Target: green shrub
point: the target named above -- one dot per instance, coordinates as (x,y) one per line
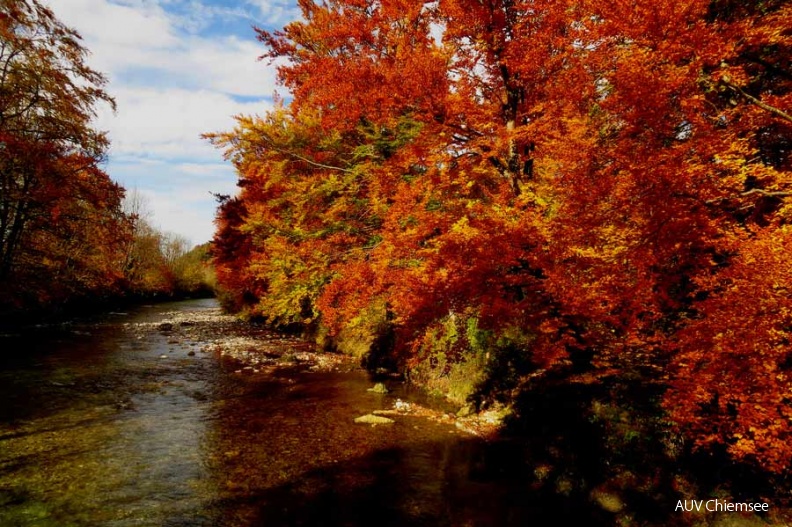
(452,358)
(361,337)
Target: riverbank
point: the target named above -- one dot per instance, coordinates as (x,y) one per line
(81,309)
(603,440)
(588,441)
(256,350)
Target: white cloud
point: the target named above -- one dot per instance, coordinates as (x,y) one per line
(276,12)
(167,123)
(123,40)
(180,195)
(229,65)
(174,214)
(145,26)
(174,80)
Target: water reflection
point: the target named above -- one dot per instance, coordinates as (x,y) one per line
(105,425)
(97,429)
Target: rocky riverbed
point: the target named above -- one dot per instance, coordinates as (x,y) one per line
(257,350)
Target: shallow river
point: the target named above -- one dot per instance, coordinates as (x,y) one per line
(104,424)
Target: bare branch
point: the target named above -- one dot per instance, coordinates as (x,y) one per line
(289,153)
(312,163)
(766,193)
(760,104)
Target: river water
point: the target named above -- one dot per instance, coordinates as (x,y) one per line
(103,423)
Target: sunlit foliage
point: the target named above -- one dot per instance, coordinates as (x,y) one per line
(598,187)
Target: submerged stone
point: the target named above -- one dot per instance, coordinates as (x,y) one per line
(609,501)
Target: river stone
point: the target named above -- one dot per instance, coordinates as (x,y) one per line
(165,326)
(466,411)
(374,420)
(609,501)
(288,358)
(379,388)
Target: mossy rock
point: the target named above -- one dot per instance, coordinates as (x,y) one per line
(466,411)
(379,388)
(372,419)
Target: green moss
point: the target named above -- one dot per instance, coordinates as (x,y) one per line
(452,358)
(322,337)
(361,335)
(464,362)
(379,388)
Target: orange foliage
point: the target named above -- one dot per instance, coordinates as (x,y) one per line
(610,178)
(62,229)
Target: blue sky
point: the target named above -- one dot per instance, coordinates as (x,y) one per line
(177,68)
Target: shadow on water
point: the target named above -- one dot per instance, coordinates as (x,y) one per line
(469,484)
(291,455)
(607,443)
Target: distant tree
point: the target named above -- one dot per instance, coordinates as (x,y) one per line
(162,263)
(194,272)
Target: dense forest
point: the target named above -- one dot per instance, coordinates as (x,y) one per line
(500,199)
(68,233)
(499,196)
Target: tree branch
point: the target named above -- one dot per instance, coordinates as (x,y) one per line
(289,153)
(760,104)
(766,193)
(312,163)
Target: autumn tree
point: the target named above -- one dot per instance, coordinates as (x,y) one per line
(590,187)
(158,263)
(60,215)
(730,385)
